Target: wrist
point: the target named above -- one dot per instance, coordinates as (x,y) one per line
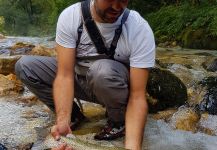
(63,118)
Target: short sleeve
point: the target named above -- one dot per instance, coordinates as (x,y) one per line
(142,46)
(66,31)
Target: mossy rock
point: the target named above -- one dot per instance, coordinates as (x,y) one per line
(209,102)
(167,89)
(198,39)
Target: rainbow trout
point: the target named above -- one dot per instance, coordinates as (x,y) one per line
(77,144)
(73,142)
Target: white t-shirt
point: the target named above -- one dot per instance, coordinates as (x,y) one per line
(136,44)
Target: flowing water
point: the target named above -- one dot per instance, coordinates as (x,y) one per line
(10,41)
(19,116)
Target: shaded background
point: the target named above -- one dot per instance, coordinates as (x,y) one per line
(188,23)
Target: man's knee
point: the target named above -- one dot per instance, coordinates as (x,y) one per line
(22,64)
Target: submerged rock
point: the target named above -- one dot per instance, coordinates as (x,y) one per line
(185,119)
(167,89)
(7,64)
(209,101)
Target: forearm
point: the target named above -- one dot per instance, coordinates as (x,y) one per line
(63,97)
(136,115)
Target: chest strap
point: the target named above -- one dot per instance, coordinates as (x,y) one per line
(94,32)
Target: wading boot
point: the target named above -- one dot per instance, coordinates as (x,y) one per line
(111,131)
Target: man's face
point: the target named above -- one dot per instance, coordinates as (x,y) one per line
(109,10)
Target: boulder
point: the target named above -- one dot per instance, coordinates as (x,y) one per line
(7,64)
(166,89)
(198,39)
(9,85)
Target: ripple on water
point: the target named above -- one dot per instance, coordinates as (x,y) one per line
(160,136)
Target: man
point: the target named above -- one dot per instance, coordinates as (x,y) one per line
(117,84)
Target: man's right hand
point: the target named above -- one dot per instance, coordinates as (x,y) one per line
(60,129)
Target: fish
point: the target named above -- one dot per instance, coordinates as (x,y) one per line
(71,140)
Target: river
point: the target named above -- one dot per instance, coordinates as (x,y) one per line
(18,119)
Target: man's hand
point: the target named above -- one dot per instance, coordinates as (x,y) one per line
(61,129)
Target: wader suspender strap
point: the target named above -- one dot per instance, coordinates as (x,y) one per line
(94,32)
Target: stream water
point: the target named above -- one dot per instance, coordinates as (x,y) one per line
(19,118)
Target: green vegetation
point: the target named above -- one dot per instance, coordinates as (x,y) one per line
(173,22)
(31,17)
(2,22)
(192,23)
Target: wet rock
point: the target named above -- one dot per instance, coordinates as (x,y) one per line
(9,86)
(7,64)
(21,48)
(210,65)
(21,45)
(164,115)
(185,119)
(209,101)
(42,51)
(167,89)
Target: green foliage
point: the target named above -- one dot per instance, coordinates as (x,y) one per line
(145,6)
(168,18)
(2,22)
(32,17)
(172,20)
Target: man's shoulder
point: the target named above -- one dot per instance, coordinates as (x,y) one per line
(72,9)
(135,18)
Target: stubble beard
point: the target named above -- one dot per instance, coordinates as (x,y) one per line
(103,14)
